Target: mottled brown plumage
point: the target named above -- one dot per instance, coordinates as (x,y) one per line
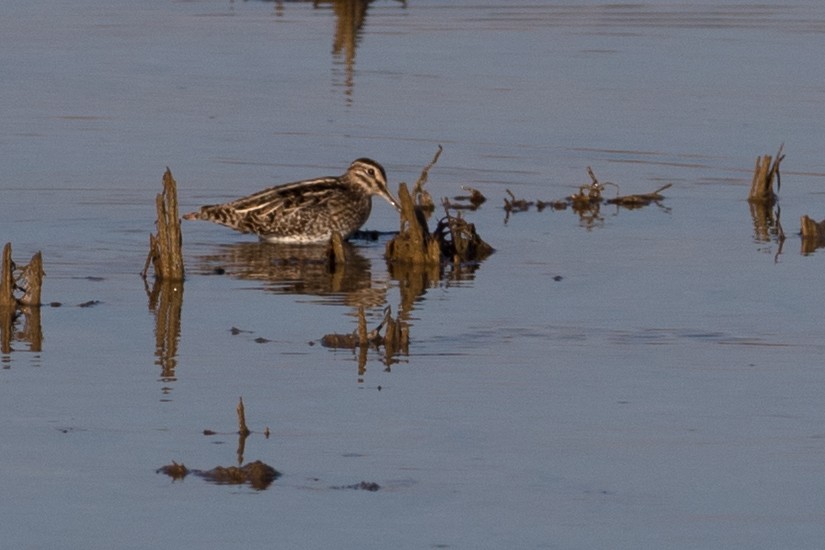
(305,211)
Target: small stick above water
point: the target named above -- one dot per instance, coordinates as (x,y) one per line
(243,430)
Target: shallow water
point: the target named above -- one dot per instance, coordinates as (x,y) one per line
(644,378)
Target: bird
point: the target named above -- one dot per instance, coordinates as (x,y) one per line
(307,211)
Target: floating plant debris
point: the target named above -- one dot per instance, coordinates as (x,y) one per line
(586,202)
(465,202)
(637,201)
(514,205)
(257,474)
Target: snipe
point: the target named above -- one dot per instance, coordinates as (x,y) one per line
(307,211)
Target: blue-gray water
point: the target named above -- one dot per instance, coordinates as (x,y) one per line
(652,378)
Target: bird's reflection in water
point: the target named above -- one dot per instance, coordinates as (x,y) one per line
(299,270)
(303,270)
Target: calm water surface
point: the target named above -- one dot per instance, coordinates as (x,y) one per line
(645,378)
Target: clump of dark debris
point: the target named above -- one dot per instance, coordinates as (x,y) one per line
(257,474)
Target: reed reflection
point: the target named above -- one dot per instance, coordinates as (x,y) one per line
(31,332)
(350,17)
(767,226)
(166,303)
(415,279)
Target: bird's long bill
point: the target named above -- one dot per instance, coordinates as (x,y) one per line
(389,198)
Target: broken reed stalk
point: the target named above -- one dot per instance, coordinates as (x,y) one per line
(242,429)
(764,173)
(7,298)
(31,277)
(413,244)
(165,247)
(812,229)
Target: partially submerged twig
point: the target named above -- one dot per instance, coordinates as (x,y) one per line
(165,248)
(242,429)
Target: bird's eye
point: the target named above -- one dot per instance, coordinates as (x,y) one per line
(371,171)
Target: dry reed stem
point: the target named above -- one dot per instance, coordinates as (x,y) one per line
(764,173)
(165,248)
(7,298)
(413,244)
